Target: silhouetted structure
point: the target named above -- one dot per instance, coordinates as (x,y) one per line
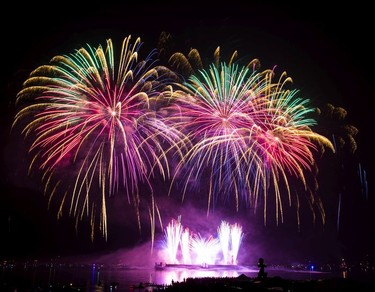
(261,274)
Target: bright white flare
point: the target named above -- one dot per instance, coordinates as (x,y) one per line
(182,246)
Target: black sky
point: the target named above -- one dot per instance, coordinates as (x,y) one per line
(326,50)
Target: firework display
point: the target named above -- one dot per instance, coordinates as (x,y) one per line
(91,117)
(249,134)
(182,246)
(111,124)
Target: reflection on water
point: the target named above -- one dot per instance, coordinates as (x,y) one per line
(121,278)
(179,275)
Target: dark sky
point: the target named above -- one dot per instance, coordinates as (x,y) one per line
(326,50)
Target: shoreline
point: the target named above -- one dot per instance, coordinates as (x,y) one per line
(245,283)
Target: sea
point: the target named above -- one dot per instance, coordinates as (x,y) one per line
(97,277)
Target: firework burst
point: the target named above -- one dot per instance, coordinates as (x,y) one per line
(249,134)
(92,117)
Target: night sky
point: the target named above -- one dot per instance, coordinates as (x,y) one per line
(326,50)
